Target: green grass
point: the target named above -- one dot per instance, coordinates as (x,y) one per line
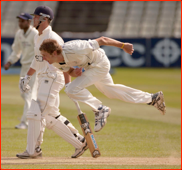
(133,130)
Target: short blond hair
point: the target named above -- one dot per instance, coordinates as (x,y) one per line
(50,45)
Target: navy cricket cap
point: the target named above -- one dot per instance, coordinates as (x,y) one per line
(25,16)
(44,11)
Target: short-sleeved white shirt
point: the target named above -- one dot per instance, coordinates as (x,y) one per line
(44,66)
(80,53)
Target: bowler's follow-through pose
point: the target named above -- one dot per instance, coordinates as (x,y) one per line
(45,110)
(89,55)
(23,46)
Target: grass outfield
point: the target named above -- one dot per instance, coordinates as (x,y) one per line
(133,130)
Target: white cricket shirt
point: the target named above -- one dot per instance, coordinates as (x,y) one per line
(44,66)
(80,53)
(23,45)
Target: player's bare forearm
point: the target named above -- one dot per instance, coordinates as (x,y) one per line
(30,72)
(109,42)
(127,47)
(67,77)
(75,72)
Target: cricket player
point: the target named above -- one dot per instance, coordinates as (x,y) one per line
(23,45)
(89,55)
(44,112)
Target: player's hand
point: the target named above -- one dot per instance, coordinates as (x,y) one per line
(78,72)
(128,48)
(23,84)
(7,65)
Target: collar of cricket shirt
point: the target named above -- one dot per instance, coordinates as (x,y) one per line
(48,29)
(64,56)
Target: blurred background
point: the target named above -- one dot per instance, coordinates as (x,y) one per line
(154,27)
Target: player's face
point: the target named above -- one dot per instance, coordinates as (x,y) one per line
(47,57)
(23,24)
(36,20)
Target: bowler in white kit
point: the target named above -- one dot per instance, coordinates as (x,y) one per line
(89,55)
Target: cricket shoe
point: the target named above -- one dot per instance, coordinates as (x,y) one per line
(158,102)
(80,151)
(26,155)
(101,117)
(22,125)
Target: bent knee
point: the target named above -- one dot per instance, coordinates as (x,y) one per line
(72,89)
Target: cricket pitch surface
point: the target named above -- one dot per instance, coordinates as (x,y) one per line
(92,161)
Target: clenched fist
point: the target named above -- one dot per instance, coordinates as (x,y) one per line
(128,48)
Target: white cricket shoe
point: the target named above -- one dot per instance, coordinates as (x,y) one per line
(80,151)
(26,155)
(158,102)
(101,117)
(22,125)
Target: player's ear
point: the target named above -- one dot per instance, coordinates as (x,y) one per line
(54,52)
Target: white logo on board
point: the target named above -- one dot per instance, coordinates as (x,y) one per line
(166,51)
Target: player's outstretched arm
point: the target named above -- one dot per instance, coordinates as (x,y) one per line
(127,47)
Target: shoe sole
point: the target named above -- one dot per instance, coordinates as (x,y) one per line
(79,154)
(161,95)
(30,157)
(86,147)
(19,128)
(105,121)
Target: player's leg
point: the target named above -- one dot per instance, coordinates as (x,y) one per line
(61,128)
(73,130)
(128,94)
(36,119)
(76,91)
(122,92)
(77,88)
(50,109)
(35,131)
(48,95)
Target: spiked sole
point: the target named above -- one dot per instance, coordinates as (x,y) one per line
(30,157)
(163,103)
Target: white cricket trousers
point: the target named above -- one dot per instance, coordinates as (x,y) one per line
(32,94)
(99,76)
(49,86)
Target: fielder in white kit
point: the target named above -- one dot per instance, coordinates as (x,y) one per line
(23,46)
(89,55)
(44,112)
